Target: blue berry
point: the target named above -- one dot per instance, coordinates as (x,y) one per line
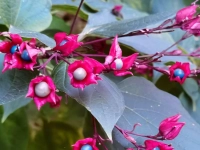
(25,56)
(14,49)
(156,148)
(63,42)
(179,73)
(86,147)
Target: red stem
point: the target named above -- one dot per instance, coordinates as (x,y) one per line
(72,26)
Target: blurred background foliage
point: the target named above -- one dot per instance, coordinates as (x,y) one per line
(58,129)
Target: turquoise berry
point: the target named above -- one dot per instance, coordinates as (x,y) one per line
(156,148)
(179,73)
(86,147)
(63,42)
(13,49)
(25,56)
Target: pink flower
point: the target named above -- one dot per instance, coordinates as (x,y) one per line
(117,63)
(192,26)
(6,46)
(84,72)
(186,13)
(179,72)
(66,44)
(43,90)
(170,127)
(19,54)
(87,143)
(154,145)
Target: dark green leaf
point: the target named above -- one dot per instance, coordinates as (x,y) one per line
(103,100)
(26,14)
(148,105)
(9,108)
(14,83)
(54,136)
(189,106)
(14,132)
(70,9)
(192,89)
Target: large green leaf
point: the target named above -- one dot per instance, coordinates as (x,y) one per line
(14,83)
(123,26)
(54,136)
(14,132)
(147,105)
(103,100)
(26,14)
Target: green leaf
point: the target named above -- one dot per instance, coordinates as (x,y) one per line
(127,12)
(163,5)
(31,34)
(26,14)
(123,26)
(189,106)
(58,24)
(147,105)
(14,83)
(103,100)
(193,92)
(142,5)
(14,132)
(70,9)
(9,108)
(74,117)
(54,136)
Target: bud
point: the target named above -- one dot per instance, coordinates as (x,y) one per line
(186,13)
(117,11)
(154,145)
(129,138)
(170,127)
(176,52)
(192,26)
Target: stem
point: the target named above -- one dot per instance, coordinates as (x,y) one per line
(71,29)
(96,41)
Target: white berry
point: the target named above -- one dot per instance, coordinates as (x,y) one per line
(42,89)
(119,64)
(79,74)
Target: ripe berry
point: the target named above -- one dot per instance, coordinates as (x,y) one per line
(79,74)
(119,64)
(179,73)
(14,49)
(63,42)
(42,89)
(86,147)
(25,56)
(156,148)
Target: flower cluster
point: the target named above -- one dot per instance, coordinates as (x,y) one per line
(18,53)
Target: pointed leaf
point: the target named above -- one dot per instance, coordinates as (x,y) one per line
(148,105)
(125,26)
(103,100)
